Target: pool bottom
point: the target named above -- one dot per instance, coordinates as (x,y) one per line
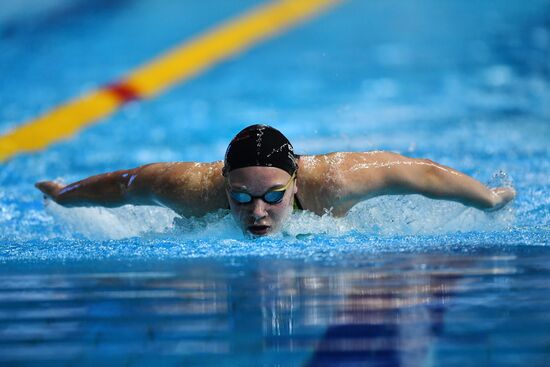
(486,307)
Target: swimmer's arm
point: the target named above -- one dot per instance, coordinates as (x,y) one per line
(187,188)
(391,173)
(112,189)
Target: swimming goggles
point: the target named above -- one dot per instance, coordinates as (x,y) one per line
(274,196)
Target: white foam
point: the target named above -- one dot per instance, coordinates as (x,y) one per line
(103,223)
(402,215)
(389,215)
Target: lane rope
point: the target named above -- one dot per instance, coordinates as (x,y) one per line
(176,66)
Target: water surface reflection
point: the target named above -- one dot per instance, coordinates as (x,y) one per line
(387,310)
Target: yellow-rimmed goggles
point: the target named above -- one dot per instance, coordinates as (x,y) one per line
(271,197)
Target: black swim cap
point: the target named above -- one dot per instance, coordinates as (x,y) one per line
(260,145)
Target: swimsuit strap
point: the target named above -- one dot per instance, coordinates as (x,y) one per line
(297,204)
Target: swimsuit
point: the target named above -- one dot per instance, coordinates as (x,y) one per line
(297,204)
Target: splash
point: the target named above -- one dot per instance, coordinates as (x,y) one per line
(383,216)
(402,215)
(103,223)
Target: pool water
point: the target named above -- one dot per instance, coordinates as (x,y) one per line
(400,281)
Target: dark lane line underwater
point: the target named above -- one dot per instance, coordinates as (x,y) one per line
(399,281)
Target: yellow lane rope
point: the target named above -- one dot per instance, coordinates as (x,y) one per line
(176,66)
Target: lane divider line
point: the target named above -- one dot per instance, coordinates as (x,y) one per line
(173,67)
(124,92)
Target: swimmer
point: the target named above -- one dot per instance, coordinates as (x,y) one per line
(261,180)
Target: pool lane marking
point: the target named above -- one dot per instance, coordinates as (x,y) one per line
(124,92)
(175,66)
(216,45)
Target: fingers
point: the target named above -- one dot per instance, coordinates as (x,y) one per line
(49,188)
(504,195)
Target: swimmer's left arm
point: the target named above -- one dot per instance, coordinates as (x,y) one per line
(384,173)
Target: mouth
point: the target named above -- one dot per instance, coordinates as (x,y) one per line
(258,230)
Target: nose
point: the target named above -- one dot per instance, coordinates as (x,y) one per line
(258,209)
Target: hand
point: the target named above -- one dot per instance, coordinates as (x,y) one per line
(49,188)
(502,195)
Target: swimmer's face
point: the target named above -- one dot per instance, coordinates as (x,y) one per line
(259,217)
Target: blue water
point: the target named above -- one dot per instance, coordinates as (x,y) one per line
(400,281)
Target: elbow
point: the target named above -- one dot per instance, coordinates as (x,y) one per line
(432,175)
(422,176)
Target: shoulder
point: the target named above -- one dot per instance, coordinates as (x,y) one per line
(339,163)
(182,172)
(175,168)
(190,188)
(336,180)
(320,181)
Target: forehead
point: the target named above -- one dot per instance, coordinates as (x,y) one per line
(258,178)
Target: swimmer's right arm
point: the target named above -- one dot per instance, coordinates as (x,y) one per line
(186,187)
(112,189)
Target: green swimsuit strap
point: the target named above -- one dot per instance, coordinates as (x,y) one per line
(297,204)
